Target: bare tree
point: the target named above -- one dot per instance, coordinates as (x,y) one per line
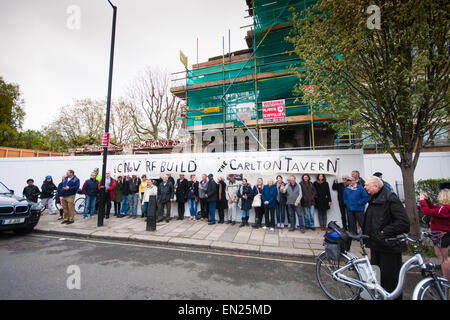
(121,122)
(83,122)
(82,118)
(155,111)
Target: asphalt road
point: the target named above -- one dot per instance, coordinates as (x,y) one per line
(38,267)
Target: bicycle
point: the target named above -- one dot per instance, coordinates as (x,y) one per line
(356,278)
(79,204)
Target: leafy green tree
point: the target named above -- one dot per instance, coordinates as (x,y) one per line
(391,82)
(11,113)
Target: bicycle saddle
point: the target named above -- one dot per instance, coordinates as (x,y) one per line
(358,237)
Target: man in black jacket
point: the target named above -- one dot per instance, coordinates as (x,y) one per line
(182,189)
(385,218)
(164,198)
(31,192)
(340,187)
(212,197)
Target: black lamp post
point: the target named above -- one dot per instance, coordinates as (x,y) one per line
(101,207)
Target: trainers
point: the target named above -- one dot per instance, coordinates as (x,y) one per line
(278,225)
(282,226)
(264,228)
(272,229)
(85,218)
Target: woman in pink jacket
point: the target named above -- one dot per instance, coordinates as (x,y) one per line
(440,223)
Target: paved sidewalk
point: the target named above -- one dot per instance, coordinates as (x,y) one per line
(224,237)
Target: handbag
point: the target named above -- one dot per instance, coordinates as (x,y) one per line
(256,202)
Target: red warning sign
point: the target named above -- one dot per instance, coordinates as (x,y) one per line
(274,111)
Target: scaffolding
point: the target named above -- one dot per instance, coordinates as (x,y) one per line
(231,93)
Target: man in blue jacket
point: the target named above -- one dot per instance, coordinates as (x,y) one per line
(70,186)
(355,199)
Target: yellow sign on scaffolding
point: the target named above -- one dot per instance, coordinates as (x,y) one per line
(183,59)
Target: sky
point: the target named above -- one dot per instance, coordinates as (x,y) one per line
(58,50)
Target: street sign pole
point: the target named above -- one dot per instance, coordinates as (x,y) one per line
(101,206)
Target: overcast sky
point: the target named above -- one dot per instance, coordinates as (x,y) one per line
(54,62)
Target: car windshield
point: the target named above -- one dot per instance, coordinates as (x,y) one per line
(4,189)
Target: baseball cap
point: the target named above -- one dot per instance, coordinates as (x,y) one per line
(48,177)
(378,174)
(351,178)
(210,175)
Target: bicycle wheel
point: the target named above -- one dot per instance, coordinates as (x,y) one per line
(79,205)
(334,289)
(429,291)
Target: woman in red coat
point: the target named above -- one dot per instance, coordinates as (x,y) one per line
(440,222)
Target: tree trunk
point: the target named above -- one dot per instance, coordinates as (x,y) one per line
(410,199)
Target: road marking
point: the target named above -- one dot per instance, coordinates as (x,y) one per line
(175,249)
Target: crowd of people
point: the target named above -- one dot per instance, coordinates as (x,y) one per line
(369,207)
(276,203)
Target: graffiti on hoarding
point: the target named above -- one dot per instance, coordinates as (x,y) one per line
(269,165)
(282,164)
(154,166)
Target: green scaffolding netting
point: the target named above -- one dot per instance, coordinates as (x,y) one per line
(241,96)
(273,55)
(269,12)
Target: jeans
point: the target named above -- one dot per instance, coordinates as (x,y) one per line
(245,214)
(125,205)
(145,209)
(281,208)
(212,211)
(294,211)
(192,207)
(352,217)
(89,205)
(309,216)
(133,200)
